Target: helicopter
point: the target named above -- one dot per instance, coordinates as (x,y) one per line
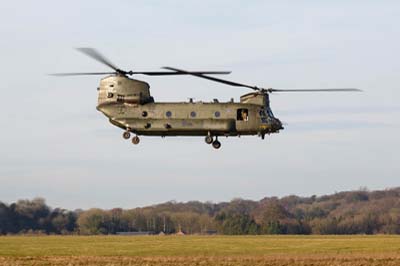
(128,104)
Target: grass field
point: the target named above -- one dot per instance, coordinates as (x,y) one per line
(200,250)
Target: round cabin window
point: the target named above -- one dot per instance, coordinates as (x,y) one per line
(168,114)
(144,113)
(193,114)
(217,114)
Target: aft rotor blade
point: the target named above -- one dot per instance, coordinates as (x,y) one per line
(313,90)
(167,73)
(212,78)
(82,74)
(93,53)
(150,73)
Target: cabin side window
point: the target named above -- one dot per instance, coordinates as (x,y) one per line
(243,114)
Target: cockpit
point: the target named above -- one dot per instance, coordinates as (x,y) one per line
(266,114)
(260,99)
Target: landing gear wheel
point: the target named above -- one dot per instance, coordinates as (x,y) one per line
(135,140)
(126,135)
(216,144)
(209,139)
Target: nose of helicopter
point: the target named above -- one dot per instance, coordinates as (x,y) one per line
(277,124)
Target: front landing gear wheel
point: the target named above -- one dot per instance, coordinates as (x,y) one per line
(209,139)
(135,140)
(216,144)
(126,135)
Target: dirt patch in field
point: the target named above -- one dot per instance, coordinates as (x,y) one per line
(347,260)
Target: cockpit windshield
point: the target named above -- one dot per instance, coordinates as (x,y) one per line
(265,114)
(269,112)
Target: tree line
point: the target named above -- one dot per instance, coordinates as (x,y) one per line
(353,212)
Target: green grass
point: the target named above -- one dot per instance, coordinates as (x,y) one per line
(146,246)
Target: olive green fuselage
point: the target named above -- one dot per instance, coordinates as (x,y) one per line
(128,104)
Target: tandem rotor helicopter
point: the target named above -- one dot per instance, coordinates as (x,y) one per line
(127,103)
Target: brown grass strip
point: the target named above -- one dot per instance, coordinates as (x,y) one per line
(273,260)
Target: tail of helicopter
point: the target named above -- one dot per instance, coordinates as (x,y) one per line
(121,89)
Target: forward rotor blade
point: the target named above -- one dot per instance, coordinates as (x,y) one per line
(212,78)
(168,73)
(313,90)
(81,74)
(93,53)
(232,83)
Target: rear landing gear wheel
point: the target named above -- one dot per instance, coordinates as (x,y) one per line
(135,140)
(126,135)
(216,144)
(209,139)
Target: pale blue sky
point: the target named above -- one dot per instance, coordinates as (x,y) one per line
(56,145)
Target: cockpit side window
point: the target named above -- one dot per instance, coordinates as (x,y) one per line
(242,114)
(263,116)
